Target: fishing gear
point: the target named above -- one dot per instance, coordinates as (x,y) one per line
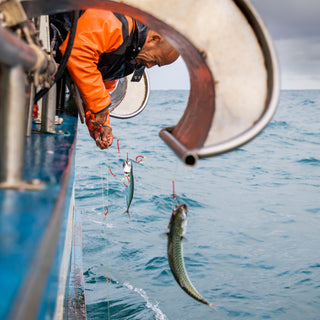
(114,175)
(139,159)
(174,196)
(118,145)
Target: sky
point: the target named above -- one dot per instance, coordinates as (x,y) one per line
(294,26)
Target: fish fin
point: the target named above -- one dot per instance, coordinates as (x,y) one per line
(212,306)
(127,212)
(184,239)
(164,235)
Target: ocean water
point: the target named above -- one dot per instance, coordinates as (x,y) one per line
(253,237)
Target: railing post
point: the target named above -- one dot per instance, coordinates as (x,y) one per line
(48,112)
(12,124)
(13,111)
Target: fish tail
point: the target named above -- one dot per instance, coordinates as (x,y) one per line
(212,306)
(127,212)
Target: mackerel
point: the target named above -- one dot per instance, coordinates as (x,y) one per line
(177,228)
(129,183)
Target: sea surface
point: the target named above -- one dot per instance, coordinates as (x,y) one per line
(253,239)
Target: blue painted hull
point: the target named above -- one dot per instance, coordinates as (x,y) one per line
(34,229)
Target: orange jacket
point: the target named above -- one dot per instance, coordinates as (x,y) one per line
(98,32)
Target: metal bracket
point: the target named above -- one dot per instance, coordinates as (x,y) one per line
(12,13)
(32,185)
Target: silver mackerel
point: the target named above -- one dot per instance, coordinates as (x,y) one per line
(177,228)
(129,181)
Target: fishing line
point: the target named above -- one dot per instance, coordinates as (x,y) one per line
(107,194)
(106,205)
(139,159)
(118,145)
(174,195)
(114,175)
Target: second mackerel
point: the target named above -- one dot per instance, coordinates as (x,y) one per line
(177,228)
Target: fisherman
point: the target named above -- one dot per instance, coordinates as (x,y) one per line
(109,46)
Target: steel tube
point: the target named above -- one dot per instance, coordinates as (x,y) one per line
(14,51)
(29,113)
(12,124)
(189,157)
(48,112)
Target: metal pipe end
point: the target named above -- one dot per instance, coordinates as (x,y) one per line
(189,157)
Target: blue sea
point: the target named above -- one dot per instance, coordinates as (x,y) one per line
(253,239)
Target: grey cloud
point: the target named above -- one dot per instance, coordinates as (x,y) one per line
(290,18)
(295,28)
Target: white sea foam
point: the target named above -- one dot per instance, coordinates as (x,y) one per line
(154,307)
(108,225)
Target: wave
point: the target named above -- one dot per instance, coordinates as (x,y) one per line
(278,123)
(311,161)
(248,224)
(154,307)
(122,305)
(307,102)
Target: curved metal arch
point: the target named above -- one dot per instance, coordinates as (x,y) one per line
(180,21)
(273,85)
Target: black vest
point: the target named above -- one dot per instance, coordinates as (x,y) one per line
(118,64)
(113,65)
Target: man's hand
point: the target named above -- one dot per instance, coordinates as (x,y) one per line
(103,137)
(101,117)
(103,133)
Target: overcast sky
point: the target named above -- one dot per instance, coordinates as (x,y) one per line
(295,28)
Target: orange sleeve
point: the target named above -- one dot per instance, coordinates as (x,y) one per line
(110,85)
(98,31)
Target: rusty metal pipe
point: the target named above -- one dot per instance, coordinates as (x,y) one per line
(12,125)
(14,51)
(187,156)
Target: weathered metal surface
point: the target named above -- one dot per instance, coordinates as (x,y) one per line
(48,110)
(12,124)
(14,51)
(12,12)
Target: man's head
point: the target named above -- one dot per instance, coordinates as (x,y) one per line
(156,51)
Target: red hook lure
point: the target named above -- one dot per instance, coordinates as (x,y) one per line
(139,159)
(112,172)
(118,145)
(173,191)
